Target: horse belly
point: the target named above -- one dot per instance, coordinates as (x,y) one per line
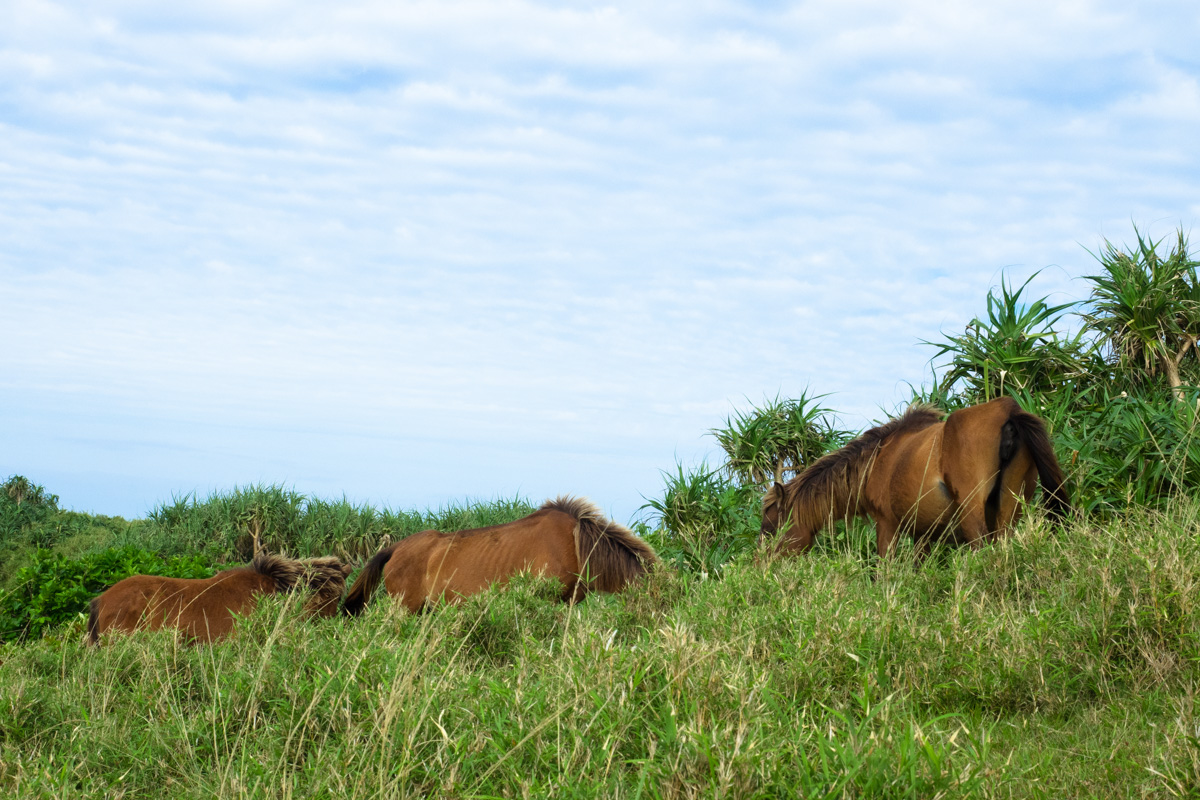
(934,511)
(914,493)
(205,613)
(454,571)
(208,621)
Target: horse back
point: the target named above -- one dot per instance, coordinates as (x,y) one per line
(430,565)
(201,607)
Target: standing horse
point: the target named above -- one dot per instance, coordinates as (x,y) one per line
(203,608)
(963,478)
(567,538)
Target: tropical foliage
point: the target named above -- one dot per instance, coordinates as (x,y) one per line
(1145,307)
(1015,349)
(782,436)
(705,520)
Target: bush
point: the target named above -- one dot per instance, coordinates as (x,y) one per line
(1123,449)
(705,521)
(54,589)
(225,526)
(23,505)
(782,436)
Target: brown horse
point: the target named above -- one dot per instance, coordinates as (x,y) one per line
(567,538)
(962,478)
(203,608)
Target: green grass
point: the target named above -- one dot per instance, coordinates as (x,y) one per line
(1054,664)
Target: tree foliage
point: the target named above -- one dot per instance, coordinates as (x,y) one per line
(1145,308)
(781,436)
(1016,348)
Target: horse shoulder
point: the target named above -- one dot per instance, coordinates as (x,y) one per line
(553,535)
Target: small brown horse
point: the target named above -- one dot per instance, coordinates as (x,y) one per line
(567,538)
(961,478)
(203,608)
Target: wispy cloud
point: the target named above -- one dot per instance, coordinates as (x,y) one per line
(535,247)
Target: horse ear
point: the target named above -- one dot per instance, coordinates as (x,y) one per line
(777,491)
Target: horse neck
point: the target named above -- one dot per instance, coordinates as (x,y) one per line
(840,496)
(840,505)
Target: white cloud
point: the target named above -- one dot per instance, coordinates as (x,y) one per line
(537,230)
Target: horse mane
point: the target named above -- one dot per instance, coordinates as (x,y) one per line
(610,555)
(325,577)
(832,485)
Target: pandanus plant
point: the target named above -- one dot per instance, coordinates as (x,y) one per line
(784,435)
(1146,309)
(1015,349)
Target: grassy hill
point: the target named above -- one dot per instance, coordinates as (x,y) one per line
(1054,664)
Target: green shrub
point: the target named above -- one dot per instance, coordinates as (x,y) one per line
(782,436)
(1123,449)
(224,526)
(55,589)
(1015,349)
(23,505)
(705,520)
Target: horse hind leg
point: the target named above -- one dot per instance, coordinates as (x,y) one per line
(973,517)
(1016,486)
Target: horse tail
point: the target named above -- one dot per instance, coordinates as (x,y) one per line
(1033,434)
(93,623)
(610,556)
(364,586)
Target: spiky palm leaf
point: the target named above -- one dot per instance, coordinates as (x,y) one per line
(782,435)
(1015,349)
(1146,309)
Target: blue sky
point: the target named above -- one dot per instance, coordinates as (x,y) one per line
(419,252)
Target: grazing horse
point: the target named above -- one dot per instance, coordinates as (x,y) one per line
(961,478)
(203,608)
(567,538)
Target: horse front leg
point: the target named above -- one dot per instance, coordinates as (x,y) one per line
(885,536)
